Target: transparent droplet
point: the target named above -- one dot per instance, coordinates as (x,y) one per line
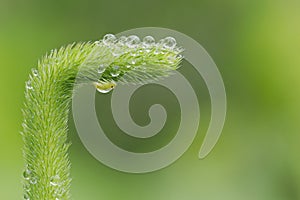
(133,41)
(148,41)
(105,87)
(26,196)
(33,180)
(26,187)
(55,180)
(169,42)
(28,85)
(115,71)
(109,39)
(35,72)
(26,174)
(101,68)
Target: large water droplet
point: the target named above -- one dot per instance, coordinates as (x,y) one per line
(35,72)
(26,174)
(148,41)
(55,180)
(105,87)
(169,42)
(109,39)
(133,41)
(115,71)
(28,85)
(101,68)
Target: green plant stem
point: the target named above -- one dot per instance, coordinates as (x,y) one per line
(48,95)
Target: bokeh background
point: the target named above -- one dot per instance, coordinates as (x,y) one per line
(256,46)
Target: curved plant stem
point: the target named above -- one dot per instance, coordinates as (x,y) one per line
(47,100)
(48,96)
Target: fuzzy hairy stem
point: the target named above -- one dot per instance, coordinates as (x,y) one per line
(48,96)
(47,100)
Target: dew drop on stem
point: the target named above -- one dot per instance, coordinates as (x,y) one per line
(28,85)
(132,41)
(35,72)
(109,39)
(169,42)
(55,180)
(115,71)
(101,68)
(148,41)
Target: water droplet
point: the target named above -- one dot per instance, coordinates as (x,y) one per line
(28,85)
(132,41)
(105,87)
(101,68)
(55,180)
(115,71)
(33,180)
(148,41)
(26,188)
(26,196)
(128,66)
(109,39)
(35,72)
(26,174)
(169,42)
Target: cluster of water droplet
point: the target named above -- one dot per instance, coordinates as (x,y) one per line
(30,179)
(137,53)
(55,181)
(123,45)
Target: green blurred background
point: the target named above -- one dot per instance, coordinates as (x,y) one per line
(256,46)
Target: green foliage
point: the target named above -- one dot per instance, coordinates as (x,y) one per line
(48,95)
